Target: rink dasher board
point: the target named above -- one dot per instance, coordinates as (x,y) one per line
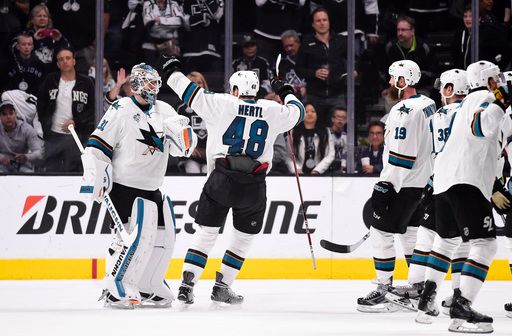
(50,232)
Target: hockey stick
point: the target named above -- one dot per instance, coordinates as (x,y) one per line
(338,248)
(308,233)
(125,236)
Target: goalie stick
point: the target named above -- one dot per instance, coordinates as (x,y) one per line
(338,248)
(125,236)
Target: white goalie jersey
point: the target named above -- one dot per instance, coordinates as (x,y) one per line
(407,156)
(238,127)
(440,125)
(134,142)
(470,155)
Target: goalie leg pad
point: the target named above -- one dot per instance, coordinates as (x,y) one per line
(153,280)
(235,256)
(128,263)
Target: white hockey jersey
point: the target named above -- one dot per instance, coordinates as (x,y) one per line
(238,127)
(134,142)
(440,125)
(407,156)
(470,155)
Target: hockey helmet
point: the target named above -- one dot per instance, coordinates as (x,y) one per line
(407,69)
(247,83)
(455,77)
(145,82)
(478,74)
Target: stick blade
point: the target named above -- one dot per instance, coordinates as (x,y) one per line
(330,246)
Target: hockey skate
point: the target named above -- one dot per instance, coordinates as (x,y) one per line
(155,301)
(446,304)
(467,320)
(222,293)
(186,291)
(113,302)
(375,301)
(508,309)
(427,307)
(406,296)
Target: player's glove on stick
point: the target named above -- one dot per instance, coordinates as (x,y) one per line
(427,195)
(97,178)
(167,65)
(281,88)
(382,196)
(501,199)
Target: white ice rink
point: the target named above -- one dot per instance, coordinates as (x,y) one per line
(272,307)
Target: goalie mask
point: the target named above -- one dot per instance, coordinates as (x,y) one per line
(145,82)
(246,82)
(456,78)
(479,73)
(407,69)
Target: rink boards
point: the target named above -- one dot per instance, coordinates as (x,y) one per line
(50,232)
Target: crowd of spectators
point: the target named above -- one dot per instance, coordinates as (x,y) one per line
(47,51)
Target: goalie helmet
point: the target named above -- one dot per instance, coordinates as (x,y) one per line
(407,69)
(145,82)
(455,77)
(247,83)
(478,74)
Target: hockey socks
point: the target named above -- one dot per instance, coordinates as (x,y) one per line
(234,256)
(420,255)
(383,254)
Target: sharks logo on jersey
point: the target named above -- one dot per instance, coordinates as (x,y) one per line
(152,140)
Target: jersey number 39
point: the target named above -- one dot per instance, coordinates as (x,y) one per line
(233,137)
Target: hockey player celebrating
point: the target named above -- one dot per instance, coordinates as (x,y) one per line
(453,87)
(464,173)
(239,150)
(407,165)
(127,156)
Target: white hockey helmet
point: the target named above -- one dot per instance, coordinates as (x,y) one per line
(455,77)
(478,74)
(145,82)
(247,83)
(407,69)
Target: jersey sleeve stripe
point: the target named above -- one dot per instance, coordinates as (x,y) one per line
(401,160)
(301,108)
(190,93)
(98,143)
(476,125)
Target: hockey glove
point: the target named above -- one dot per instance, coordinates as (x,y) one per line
(427,195)
(501,199)
(97,178)
(382,196)
(167,65)
(281,88)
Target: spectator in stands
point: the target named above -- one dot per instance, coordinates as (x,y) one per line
(314,152)
(321,61)
(291,44)
(25,106)
(493,45)
(20,148)
(65,98)
(501,9)
(461,45)
(46,38)
(12,15)
(120,89)
(273,17)
(371,156)
(24,71)
(251,61)
(201,45)
(407,45)
(338,135)
(77,20)
(197,162)
(163,19)
(431,16)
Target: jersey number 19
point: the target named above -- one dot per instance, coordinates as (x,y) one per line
(234,137)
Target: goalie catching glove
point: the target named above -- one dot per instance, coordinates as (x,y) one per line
(97,178)
(182,139)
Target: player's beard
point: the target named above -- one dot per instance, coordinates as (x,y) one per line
(393,93)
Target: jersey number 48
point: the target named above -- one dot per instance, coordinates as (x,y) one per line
(234,137)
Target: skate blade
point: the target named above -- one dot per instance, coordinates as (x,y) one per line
(509,314)
(386,307)
(409,304)
(462,326)
(423,318)
(155,305)
(216,305)
(446,310)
